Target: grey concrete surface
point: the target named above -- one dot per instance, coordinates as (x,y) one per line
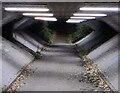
(113,21)
(106,56)
(0,66)
(13,60)
(60,1)
(60,39)
(28,41)
(59,69)
(9,17)
(21,22)
(90,40)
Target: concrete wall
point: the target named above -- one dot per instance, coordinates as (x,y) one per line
(37,38)
(9,17)
(13,60)
(26,40)
(60,0)
(0,66)
(23,23)
(112,21)
(106,56)
(109,21)
(94,24)
(90,40)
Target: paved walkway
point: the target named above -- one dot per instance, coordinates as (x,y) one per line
(60,39)
(59,69)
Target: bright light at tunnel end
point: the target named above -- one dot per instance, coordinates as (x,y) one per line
(74,21)
(99,8)
(37,14)
(46,18)
(18,9)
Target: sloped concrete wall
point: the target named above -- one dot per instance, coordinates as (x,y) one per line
(106,56)
(13,60)
(94,24)
(90,40)
(37,38)
(9,17)
(23,23)
(0,72)
(26,40)
(112,21)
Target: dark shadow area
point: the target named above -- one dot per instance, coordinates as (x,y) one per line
(7,29)
(63,28)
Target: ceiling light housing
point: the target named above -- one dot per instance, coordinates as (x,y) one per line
(99,8)
(75,17)
(93,15)
(37,14)
(46,18)
(21,9)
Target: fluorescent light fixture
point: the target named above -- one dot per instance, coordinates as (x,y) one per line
(37,14)
(79,14)
(46,18)
(18,9)
(82,17)
(99,9)
(74,21)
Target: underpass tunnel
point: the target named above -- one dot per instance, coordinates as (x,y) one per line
(60,46)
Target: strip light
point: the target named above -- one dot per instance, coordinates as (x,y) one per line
(37,14)
(99,9)
(82,17)
(74,21)
(18,9)
(46,18)
(79,14)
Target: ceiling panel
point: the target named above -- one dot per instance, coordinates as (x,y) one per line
(62,10)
